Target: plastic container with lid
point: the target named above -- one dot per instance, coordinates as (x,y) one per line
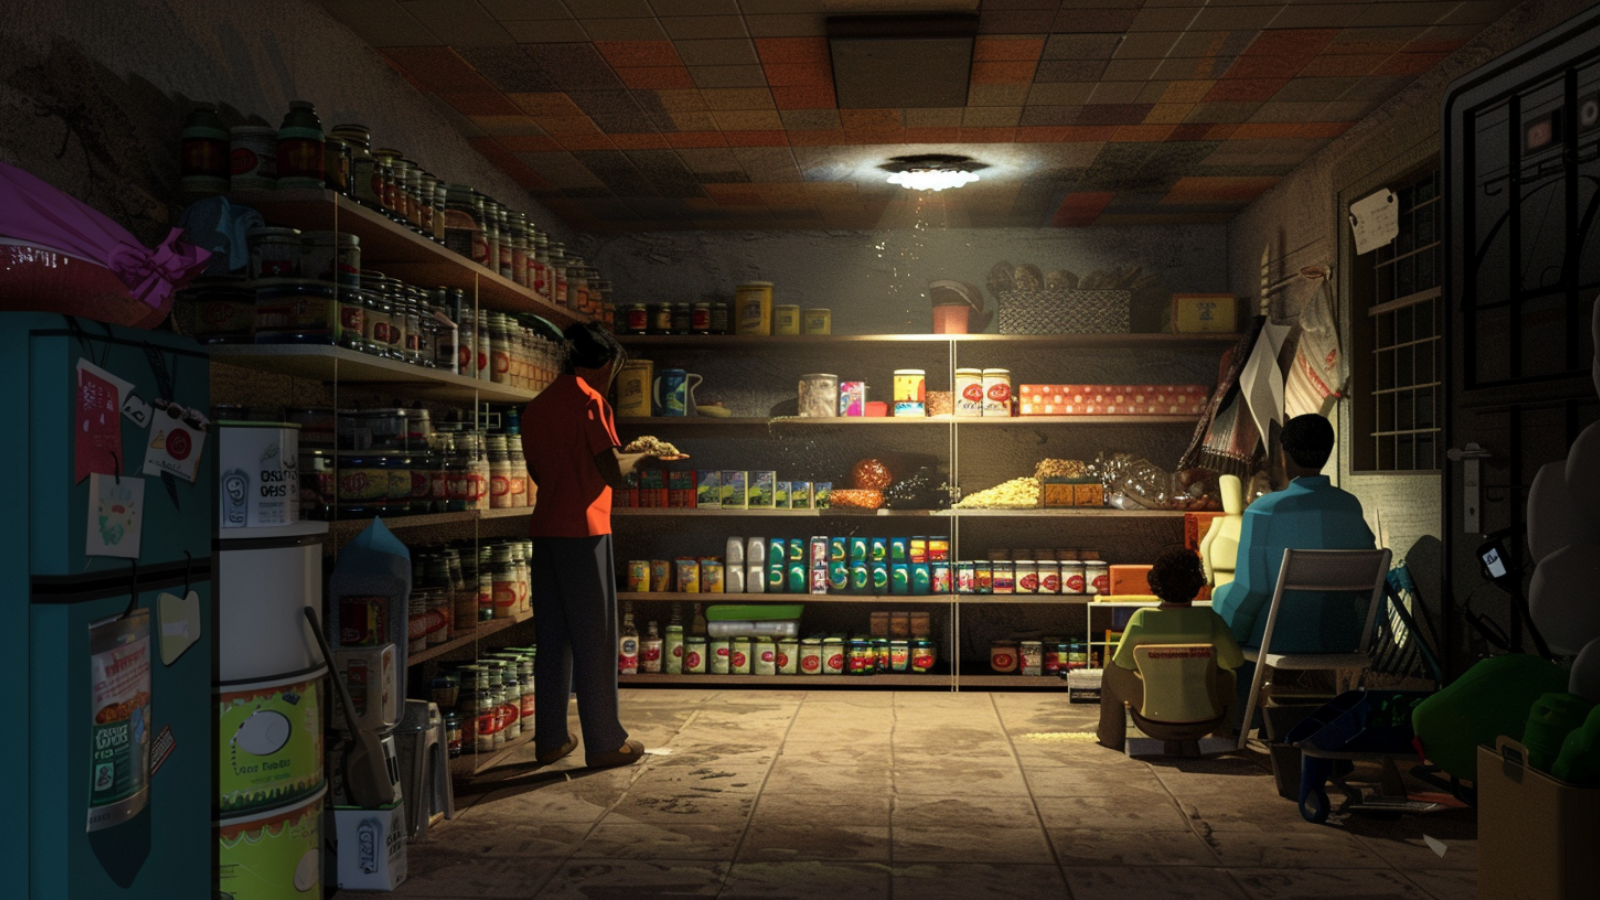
(297,311)
(969,392)
(300,150)
(253,158)
(331,256)
(997,392)
(274,252)
(910,392)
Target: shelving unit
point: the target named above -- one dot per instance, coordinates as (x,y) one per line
(469,764)
(480,631)
(930,680)
(754,377)
(321,362)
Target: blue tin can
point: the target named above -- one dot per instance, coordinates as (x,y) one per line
(880,550)
(858,550)
(899,550)
(921,578)
(797,550)
(838,549)
(899,578)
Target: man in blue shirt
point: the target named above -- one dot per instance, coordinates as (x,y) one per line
(1309,514)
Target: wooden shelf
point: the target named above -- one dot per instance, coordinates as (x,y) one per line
(930,679)
(469,763)
(812,342)
(679,597)
(322,362)
(483,630)
(1013,682)
(832,511)
(1076,512)
(897,421)
(397,251)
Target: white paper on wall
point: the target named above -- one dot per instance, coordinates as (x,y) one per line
(1375,220)
(116,515)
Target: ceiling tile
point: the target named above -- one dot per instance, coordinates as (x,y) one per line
(694,121)
(719,52)
(1007,48)
(991,116)
(1223,113)
(1477,13)
(786,26)
(1153,91)
(437,68)
(695,7)
(729,76)
(1386,14)
(457,23)
(611,9)
(761,7)
(681,101)
(997,94)
(640,141)
(1163,19)
(638,53)
(1048,116)
(1109,21)
(871,118)
(807,75)
(381,23)
(1015,21)
(1168,113)
(1350,64)
(737,98)
(1307,89)
(1234,18)
(815,119)
(1146,45)
(1318,15)
(694,27)
(1409,63)
(1113,114)
(757,138)
(547,104)
(624,30)
(1017,72)
(711,160)
(656,77)
(480,103)
(794,51)
(1295,113)
(1080,46)
(510,10)
(697,139)
(1057,71)
(576,67)
(1130,69)
(933,117)
(508,67)
(510,125)
(1192,44)
(1065,94)
(1116,92)
(748,120)
(546,31)
(819,97)
(1186,91)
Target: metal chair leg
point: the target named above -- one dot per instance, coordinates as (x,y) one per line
(1250,705)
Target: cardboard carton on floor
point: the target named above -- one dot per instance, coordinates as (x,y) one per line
(371,847)
(1536,835)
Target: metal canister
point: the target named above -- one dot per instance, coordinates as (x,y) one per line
(834,660)
(786,320)
(739,656)
(688,570)
(1003,656)
(639,576)
(838,549)
(921,578)
(1071,576)
(997,392)
(788,656)
(798,582)
(1032,657)
(811,661)
(660,576)
(852,398)
(711,574)
(763,656)
(797,550)
(1003,576)
(695,651)
(816,321)
(1049,576)
(718,653)
(910,392)
(1027,572)
(923,656)
(753,308)
(1096,577)
(966,577)
(969,392)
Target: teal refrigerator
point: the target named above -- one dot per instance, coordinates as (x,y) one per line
(107,569)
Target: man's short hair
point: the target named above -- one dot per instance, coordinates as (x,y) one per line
(1308,440)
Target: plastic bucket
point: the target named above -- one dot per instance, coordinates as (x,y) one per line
(272,854)
(262,586)
(269,743)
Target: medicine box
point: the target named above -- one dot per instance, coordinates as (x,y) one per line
(708,489)
(821,495)
(371,847)
(762,490)
(733,489)
(799,495)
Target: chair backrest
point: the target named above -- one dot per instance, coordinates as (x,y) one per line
(1360,572)
(1178,682)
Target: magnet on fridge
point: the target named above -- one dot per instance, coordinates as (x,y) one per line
(176,439)
(179,619)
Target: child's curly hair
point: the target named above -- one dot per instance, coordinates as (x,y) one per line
(1176,576)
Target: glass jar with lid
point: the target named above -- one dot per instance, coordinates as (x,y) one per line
(558,274)
(503,219)
(578,285)
(519,249)
(682,319)
(491,236)
(540,264)
(427,185)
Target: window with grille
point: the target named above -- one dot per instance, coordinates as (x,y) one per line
(1396,339)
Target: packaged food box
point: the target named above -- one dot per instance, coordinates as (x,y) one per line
(761,490)
(732,489)
(1130,580)
(1205,313)
(1091,495)
(822,495)
(708,489)
(681,490)
(781,495)
(799,495)
(753,612)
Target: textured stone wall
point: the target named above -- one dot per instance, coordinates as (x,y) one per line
(93,94)
(1299,221)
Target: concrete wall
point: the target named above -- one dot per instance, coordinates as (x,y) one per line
(93,94)
(1301,221)
(876,282)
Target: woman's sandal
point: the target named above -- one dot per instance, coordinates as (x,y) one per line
(562,752)
(631,752)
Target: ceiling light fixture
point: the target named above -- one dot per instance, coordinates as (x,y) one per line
(932,172)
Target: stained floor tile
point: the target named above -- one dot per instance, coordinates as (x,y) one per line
(872,794)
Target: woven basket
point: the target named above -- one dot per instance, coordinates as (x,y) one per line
(1064,312)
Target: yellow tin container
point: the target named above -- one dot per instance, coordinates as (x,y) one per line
(786,320)
(752,308)
(816,321)
(633,387)
(1205,313)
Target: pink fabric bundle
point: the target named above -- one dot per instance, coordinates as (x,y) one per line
(35,214)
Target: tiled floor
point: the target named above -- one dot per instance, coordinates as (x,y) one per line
(794,794)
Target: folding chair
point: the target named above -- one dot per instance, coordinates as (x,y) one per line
(1356,571)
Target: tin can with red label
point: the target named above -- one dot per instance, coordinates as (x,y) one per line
(969,392)
(997,392)
(1049,576)
(852,398)
(1027,572)
(1003,656)
(810,657)
(1071,577)
(1096,577)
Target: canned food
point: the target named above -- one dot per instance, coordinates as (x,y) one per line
(718,651)
(1003,656)
(900,578)
(997,392)
(1055,657)
(777,578)
(816,321)
(966,578)
(939,578)
(899,655)
(752,303)
(688,574)
(899,550)
(969,392)
(923,656)
(834,659)
(1031,655)
(739,652)
(660,576)
(764,657)
(863,659)
(1003,576)
(811,662)
(786,320)
(797,550)
(1027,573)
(1072,577)
(639,576)
(1049,576)
(910,392)
(711,573)
(1096,577)
(798,582)
(983,577)
(852,398)
(788,656)
(695,651)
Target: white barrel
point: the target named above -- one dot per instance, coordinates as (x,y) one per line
(264,582)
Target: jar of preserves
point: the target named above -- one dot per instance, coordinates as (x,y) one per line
(300,148)
(682,319)
(700,318)
(1003,656)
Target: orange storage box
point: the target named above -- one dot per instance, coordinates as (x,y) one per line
(1130,580)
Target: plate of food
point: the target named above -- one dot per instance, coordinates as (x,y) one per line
(655,447)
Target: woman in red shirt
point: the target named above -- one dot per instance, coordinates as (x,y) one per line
(570,441)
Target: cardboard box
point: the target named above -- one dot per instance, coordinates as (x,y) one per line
(681,491)
(708,489)
(879,624)
(732,489)
(781,495)
(371,847)
(762,490)
(1195,526)
(821,494)
(1089,495)
(799,495)
(1205,313)
(1536,835)
(921,624)
(1130,580)
(1058,494)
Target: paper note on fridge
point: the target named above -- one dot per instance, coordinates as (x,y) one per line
(98,437)
(180,624)
(116,515)
(1375,220)
(174,446)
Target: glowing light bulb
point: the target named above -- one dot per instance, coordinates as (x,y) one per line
(932,179)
